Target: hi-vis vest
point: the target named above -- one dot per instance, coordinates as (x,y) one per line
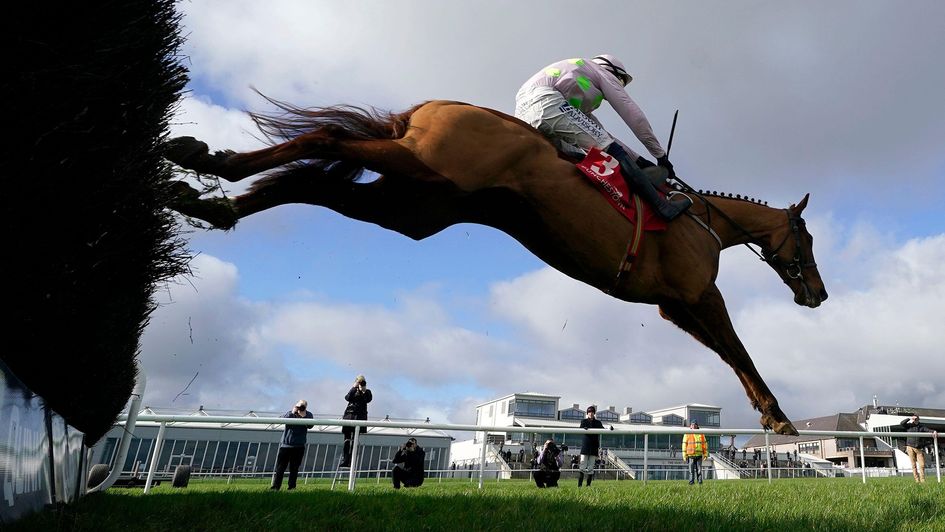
(694,445)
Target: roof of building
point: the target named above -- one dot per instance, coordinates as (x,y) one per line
(686,405)
(529,394)
(840,421)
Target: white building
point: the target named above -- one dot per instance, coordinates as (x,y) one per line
(512,445)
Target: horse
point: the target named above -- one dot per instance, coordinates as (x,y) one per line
(445,162)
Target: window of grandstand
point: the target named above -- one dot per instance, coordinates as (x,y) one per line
(809,447)
(533,408)
(607,415)
(673,419)
(571,414)
(705,418)
(642,418)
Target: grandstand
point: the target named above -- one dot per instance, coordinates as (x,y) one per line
(511,449)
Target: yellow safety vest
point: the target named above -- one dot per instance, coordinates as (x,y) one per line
(694,445)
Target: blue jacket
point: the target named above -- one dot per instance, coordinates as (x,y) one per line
(294,435)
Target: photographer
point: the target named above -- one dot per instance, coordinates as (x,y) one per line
(915,445)
(292,448)
(549,466)
(408,465)
(358,397)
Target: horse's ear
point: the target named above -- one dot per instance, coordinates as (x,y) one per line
(799,208)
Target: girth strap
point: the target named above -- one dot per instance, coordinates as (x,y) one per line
(633,245)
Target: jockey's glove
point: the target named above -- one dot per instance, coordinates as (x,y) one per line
(664,162)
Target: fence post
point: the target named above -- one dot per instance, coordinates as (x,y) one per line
(646,448)
(768,453)
(482,459)
(352,472)
(862,460)
(155,456)
(938,467)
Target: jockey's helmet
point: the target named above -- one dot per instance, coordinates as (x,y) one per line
(614,66)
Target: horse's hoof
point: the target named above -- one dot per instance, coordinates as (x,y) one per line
(781,426)
(185,151)
(218,212)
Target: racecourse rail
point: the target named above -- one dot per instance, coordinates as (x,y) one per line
(164,420)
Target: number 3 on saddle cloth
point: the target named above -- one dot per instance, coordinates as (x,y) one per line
(603,171)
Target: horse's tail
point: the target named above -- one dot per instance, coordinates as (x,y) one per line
(346,122)
(342,122)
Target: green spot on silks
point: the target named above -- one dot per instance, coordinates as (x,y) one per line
(598,100)
(553,72)
(575,102)
(583,82)
(578,62)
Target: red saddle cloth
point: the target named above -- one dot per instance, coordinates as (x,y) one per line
(603,171)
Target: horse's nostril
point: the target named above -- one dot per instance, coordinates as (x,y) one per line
(823,295)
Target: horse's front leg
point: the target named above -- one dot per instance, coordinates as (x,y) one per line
(708,321)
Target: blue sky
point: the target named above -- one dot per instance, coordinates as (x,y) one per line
(776,100)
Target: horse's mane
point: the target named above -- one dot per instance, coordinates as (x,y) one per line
(729,195)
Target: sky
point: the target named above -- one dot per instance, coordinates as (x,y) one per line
(841,100)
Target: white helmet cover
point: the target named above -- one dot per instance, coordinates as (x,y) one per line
(614,66)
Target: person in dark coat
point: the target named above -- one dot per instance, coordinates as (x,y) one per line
(358,397)
(915,446)
(292,448)
(590,446)
(408,465)
(549,466)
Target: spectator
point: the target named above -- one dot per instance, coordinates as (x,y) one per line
(695,449)
(408,465)
(549,466)
(292,448)
(590,446)
(915,445)
(575,460)
(521,456)
(744,452)
(358,398)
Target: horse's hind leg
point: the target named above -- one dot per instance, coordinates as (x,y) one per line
(708,321)
(195,155)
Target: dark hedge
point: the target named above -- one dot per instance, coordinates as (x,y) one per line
(88,92)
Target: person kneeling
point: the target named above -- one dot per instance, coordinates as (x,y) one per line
(408,465)
(549,466)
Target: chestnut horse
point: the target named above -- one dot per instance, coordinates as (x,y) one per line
(443,163)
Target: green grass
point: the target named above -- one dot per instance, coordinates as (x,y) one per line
(801,504)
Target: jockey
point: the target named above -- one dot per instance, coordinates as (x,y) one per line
(559,100)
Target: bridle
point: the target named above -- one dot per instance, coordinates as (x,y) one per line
(793,269)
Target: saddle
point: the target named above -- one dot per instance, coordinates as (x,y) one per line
(603,171)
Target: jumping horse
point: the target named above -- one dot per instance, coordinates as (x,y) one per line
(444,162)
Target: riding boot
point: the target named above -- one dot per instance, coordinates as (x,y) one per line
(589,479)
(580,479)
(639,183)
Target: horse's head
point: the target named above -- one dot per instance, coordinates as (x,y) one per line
(789,250)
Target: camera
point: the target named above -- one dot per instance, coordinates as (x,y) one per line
(564,448)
